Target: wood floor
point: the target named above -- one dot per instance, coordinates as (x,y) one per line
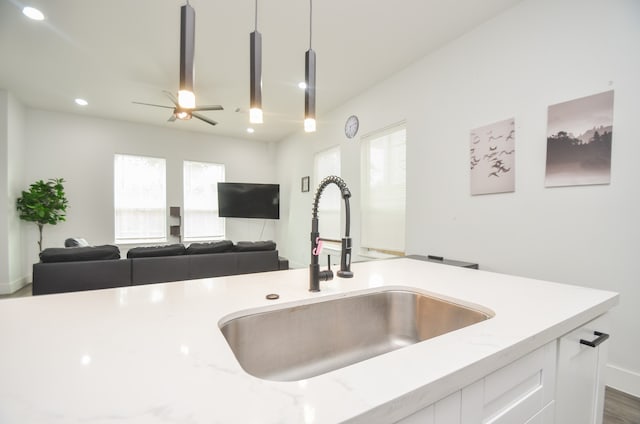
(619,407)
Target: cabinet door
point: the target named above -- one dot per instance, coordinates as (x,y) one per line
(546,416)
(445,411)
(515,393)
(580,387)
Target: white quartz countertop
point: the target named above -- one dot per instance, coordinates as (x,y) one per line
(155,354)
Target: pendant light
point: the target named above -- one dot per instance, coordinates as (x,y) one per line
(310,81)
(255,86)
(186,98)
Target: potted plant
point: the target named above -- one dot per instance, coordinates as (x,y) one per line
(44,203)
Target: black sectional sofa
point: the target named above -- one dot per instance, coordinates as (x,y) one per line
(99,267)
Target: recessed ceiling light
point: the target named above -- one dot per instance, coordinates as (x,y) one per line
(33,13)
(302,85)
(81,102)
(250,130)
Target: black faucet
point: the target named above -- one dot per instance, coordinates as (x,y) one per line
(315,275)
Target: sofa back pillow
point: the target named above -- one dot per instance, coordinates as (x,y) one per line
(75,242)
(155,251)
(74,254)
(254,246)
(213,247)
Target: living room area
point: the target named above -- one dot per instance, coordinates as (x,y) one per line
(512,63)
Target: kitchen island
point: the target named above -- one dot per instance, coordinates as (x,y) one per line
(155,353)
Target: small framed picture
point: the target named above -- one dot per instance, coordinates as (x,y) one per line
(305,184)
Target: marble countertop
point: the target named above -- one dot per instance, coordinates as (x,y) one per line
(155,354)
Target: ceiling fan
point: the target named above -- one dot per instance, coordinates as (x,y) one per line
(184,113)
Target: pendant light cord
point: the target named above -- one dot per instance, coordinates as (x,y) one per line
(256,17)
(310,21)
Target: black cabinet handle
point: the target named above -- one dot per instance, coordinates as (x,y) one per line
(599,339)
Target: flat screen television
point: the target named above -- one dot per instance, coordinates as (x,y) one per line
(246,200)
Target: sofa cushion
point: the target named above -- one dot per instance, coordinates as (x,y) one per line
(64,277)
(159,269)
(254,246)
(75,254)
(155,251)
(213,247)
(259,261)
(216,265)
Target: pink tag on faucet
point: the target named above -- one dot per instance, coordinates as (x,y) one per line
(318,249)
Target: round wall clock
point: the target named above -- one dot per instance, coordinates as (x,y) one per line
(351,126)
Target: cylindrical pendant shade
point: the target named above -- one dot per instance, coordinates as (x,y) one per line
(255,85)
(187,50)
(310,91)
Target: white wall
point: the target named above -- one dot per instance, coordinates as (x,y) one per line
(15,185)
(4,194)
(80,149)
(11,158)
(538,53)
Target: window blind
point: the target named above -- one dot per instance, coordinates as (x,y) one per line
(384,190)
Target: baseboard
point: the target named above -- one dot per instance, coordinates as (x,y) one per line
(624,380)
(13,286)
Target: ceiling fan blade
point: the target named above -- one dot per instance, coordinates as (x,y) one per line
(151,104)
(172,118)
(209,107)
(204,118)
(171,97)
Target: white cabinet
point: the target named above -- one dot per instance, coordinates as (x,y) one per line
(521,392)
(560,383)
(580,385)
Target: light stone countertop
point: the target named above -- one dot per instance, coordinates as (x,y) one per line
(155,354)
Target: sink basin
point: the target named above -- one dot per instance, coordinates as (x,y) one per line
(297,342)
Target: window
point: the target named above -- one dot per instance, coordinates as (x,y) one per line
(140,199)
(327,163)
(201,220)
(384,190)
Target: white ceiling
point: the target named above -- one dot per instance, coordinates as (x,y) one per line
(113,52)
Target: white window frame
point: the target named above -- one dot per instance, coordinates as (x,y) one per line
(140,199)
(209,220)
(383,209)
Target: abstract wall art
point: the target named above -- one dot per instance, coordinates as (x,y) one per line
(579,134)
(492,158)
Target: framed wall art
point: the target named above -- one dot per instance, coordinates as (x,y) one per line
(304,184)
(492,158)
(579,135)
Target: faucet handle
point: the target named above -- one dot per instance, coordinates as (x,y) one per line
(326,275)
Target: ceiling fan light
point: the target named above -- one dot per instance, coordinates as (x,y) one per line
(183,115)
(255,115)
(186,99)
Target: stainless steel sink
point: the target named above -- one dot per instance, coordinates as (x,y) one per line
(302,341)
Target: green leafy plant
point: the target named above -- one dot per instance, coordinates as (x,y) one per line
(44,203)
